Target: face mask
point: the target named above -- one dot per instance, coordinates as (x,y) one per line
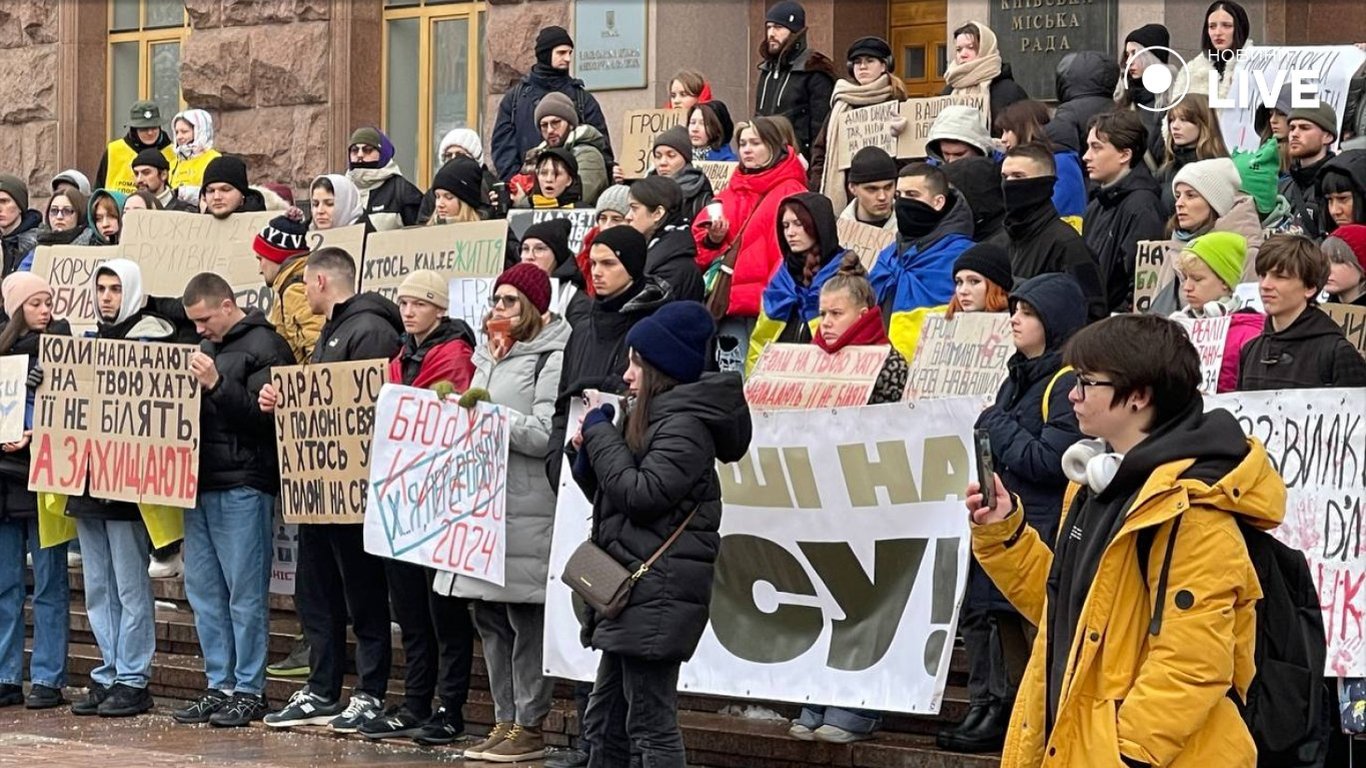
(915,218)
(1023,196)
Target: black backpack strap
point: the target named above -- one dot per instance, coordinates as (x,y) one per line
(540,366)
(1145,548)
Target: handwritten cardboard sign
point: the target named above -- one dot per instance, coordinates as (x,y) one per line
(13,397)
(118,417)
(867,127)
(581,220)
(920,115)
(1147,272)
(1208,334)
(963,356)
(718,172)
(438,484)
(454,250)
(324,420)
(804,376)
(1353,322)
(350,239)
(1266,68)
(171,247)
(69,269)
(640,127)
(864,239)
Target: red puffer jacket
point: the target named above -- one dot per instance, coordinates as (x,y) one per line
(443,356)
(760,192)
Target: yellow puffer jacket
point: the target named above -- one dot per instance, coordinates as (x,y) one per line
(290,313)
(1154,699)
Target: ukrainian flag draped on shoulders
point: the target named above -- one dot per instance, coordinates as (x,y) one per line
(913,276)
(789,306)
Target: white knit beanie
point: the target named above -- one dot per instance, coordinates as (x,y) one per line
(1215,180)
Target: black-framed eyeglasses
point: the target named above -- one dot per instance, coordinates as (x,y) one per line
(1083,383)
(506,301)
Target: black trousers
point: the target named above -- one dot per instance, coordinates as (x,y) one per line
(998,645)
(632,716)
(438,639)
(336,576)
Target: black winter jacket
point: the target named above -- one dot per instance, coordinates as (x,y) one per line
(580,304)
(366,326)
(237,440)
(17,502)
(515,131)
(1085,88)
(639,499)
(1040,242)
(1311,353)
(595,357)
(395,195)
(22,240)
(1117,218)
(673,258)
(1301,189)
(797,84)
(1351,165)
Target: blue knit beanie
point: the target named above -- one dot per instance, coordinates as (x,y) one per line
(675,340)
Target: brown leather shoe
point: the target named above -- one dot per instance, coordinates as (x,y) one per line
(496,737)
(522,743)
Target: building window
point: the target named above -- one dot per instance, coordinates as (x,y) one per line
(432,77)
(144,57)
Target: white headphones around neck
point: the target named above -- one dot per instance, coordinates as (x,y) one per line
(1087,462)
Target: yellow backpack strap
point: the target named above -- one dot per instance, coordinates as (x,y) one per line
(1048,390)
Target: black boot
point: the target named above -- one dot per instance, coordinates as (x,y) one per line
(976,712)
(986,735)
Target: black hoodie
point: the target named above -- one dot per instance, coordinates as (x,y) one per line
(672,258)
(1117,219)
(1085,84)
(978,179)
(1311,353)
(1352,166)
(827,233)
(366,326)
(1040,242)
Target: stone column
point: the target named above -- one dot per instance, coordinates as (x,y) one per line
(30,58)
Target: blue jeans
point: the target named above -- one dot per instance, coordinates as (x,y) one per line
(118,599)
(51,607)
(860,721)
(227,579)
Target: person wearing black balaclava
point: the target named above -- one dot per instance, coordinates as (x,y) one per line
(978,179)
(1040,241)
(515,131)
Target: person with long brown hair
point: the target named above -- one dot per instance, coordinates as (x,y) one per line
(1022,123)
(657,478)
(687,89)
(1192,134)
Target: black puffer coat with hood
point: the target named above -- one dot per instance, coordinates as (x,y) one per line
(672,257)
(1351,166)
(1117,219)
(366,326)
(640,498)
(1086,87)
(796,84)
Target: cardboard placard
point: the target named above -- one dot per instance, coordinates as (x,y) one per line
(581,221)
(920,115)
(473,249)
(718,172)
(867,127)
(171,247)
(13,397)
(864,239)
(350,239)
(121,417)
(438,484)
(1147,272)
(804,376)
(69,270)
(640,127)
(963,356)
(1352,319)
(1209,335)
(324,420)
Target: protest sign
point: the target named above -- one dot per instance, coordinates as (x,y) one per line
(13,397)
(1263,71)
(864,239)
(1249,296)
(963,356)
(285,563)
(470,302)
(1352,320)
(639,129)
(1147,271)
(119,416)
(581,220)
(867,127)
(324,420)
(350,239)
(475,249)
(69,269)
(1208,334)
(438,484)
(1317,441)
(843,558)
(805,376)
(920,115)
(171,247)
(718,172)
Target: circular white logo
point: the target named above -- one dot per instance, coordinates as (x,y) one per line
(1157,78)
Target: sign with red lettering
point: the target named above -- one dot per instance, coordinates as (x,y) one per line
(438,484)
(963,356)
(1208,334)
(804,376)
(117,418)
(324,420)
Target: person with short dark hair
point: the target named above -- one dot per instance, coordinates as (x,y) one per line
(1109,673)
(1300,346)
(870,184)
(795,81)
(228,534)
(1312,131)
(655,211)
(19,224)
(1124,208)
(1341,189)
(1025,122)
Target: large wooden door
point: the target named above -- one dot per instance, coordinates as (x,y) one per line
(918,37)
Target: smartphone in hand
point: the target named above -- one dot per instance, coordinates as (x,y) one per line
(986,469)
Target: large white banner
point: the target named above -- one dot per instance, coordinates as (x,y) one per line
(438,483)
(1263,70)
(843,560)
(1317,441)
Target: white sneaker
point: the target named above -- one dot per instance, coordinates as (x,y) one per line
(169,568)
(73,559)
(360,710)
